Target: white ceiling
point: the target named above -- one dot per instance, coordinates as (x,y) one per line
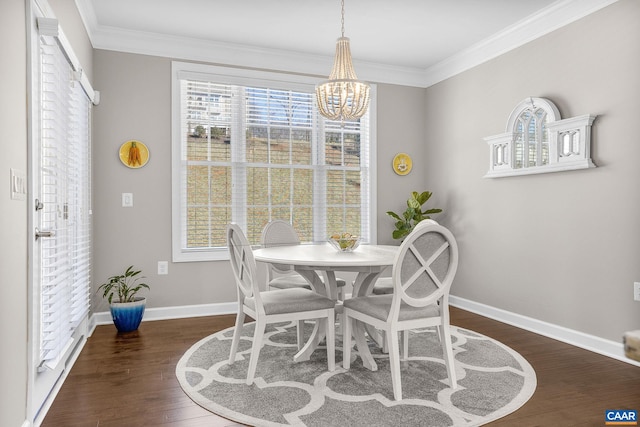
(413,42)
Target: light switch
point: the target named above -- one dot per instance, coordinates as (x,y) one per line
(127,200)
(163,267)
(18,185)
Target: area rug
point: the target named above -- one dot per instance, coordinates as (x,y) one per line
(493,381)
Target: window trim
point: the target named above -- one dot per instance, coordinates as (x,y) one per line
(238,76)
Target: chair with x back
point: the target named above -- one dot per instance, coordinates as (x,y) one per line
(281,305)
(278,233)
(422,275)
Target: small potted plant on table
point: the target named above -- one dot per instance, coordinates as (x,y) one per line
(127,310)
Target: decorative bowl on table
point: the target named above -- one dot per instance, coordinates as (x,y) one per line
(344,242)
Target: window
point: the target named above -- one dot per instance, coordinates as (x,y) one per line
(538,141)
(250,147)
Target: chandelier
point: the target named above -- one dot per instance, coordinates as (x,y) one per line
(343,96)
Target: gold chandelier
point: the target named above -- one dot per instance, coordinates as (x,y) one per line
(343,96)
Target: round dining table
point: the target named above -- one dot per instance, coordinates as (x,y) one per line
(368,261)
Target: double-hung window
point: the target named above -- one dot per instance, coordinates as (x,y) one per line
(250,147)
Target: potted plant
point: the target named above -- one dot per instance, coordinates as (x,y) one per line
(127,309)
(412,215)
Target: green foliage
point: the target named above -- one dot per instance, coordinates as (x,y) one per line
(199,131)
(217,133)
(412,215)
(125,285)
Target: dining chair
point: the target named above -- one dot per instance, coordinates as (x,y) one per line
(384,286)
(277,233)
(281,305)
(422,274)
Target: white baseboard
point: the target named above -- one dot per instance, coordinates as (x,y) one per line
(593,343)
(176,312)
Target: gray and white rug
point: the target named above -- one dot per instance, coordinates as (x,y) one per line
(493,381)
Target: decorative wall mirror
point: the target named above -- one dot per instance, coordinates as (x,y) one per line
(537,140)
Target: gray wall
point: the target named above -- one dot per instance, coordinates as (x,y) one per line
(562,247)
(136,104)
(401,121)
(13,227)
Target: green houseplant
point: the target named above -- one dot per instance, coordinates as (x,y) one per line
(412,215)
(127,309)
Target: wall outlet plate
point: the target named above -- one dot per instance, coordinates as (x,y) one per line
(636,291)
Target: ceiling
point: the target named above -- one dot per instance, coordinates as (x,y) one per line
(402,41)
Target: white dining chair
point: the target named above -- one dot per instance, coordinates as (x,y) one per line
(384,286)
(422,275)
(281,305)
(277,233)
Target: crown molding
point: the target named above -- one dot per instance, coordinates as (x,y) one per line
(191,49)
(551,18)
(88,17)
(557,15)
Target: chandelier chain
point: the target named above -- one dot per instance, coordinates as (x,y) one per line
(342,14)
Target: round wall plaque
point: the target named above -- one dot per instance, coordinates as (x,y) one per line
(402,164)
(134,154)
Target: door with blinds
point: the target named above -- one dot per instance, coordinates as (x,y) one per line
(60,268)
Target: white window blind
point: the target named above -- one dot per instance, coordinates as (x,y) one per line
(79,202)
(250,150)
(65,258)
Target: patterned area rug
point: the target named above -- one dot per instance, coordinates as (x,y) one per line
(493,381)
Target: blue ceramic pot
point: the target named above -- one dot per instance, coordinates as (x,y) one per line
(128,315)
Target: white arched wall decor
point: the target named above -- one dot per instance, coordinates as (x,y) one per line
(537,140)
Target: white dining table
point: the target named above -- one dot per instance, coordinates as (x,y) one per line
(309,259)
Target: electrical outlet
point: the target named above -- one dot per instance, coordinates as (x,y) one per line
(163,267)
(636,291)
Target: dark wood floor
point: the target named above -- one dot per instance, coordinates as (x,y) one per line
(129,381)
